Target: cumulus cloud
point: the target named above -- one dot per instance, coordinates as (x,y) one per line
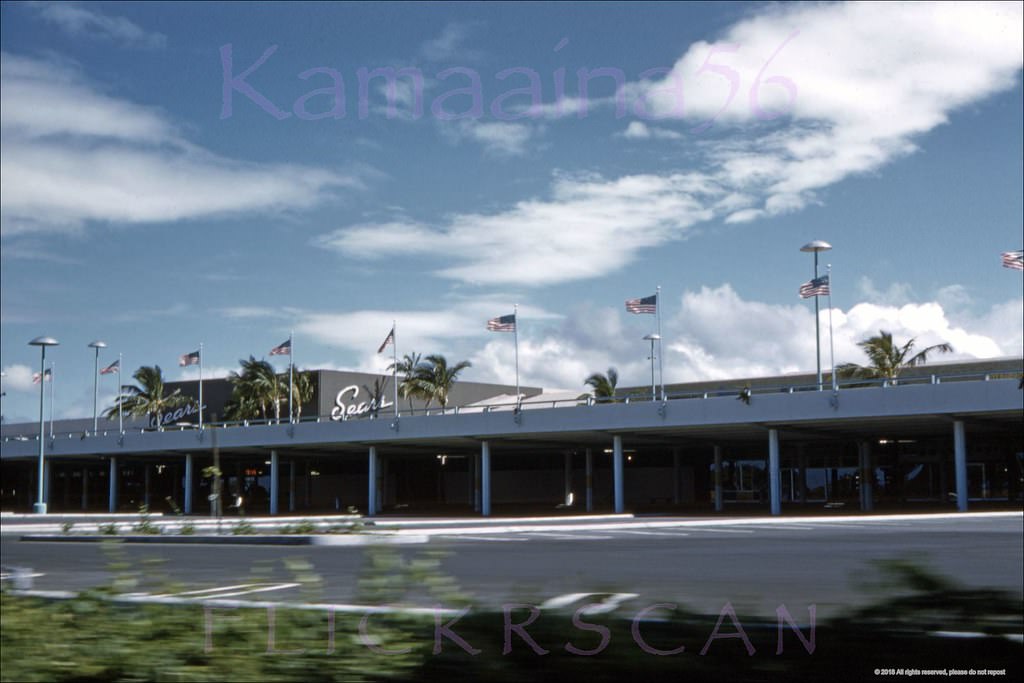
(709,333)
(74,155)
(896,293)
(714,333)
(18,378)
(638,130)
(845,89)
(87,22)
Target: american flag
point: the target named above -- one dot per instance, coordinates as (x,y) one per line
(816,287)
(1013,259)
(282,349)
(189,359)
(390,339)
(505,323)
(648,304)
(111,369)
(36,377)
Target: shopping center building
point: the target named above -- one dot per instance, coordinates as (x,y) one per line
(945,436)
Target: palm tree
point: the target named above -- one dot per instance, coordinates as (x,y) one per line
(433,378)
(887,359)
(302,391)
(258,391)
(603,386)
(376,394)
(407,368)
(147,398)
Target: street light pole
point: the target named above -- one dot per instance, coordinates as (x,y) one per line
(42,343)
(96,383)
(654,387)
(816,247)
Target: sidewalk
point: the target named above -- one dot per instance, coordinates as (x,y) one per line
(356,530)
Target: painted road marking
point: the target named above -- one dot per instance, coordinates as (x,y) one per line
(551,535)
(466,537)
(219,592)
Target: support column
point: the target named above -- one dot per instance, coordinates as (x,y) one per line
(188,484)
(291,485)
(774,478)
(675,476)
(371,483)
(476,482)
(719,503)
(960,464)
(590,480)
(85,489)
(145,485)
(485,479)
(113,484)
(567,479)
(617,473)
(275,480)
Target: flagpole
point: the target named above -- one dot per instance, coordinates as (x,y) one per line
(394,362)
(120,369)
(661,367)
(52,387)
(515,330)
(291,373)
(200,385)
(831,343)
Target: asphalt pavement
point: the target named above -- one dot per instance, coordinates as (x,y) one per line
(754,564)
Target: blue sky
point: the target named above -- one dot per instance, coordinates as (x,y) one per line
(138,207)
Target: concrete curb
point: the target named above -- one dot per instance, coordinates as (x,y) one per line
(253,539)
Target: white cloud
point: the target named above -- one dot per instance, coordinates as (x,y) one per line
(73,155)
(450,44)
(18,378)
(502,138)
(710,333)
(870,79)
(79,21)
(638,130)
(895,294)
(538,242)
(499,139)
(855,82)
(192,373)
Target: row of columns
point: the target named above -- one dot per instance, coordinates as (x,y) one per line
(481,477)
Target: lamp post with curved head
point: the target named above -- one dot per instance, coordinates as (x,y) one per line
(654,387)
(816,247)
(42,343)
(96,383)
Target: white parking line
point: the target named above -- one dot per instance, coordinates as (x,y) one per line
(501,539)
(639,532)
(550,535)
(219,592)
(5,576)
(719,530)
